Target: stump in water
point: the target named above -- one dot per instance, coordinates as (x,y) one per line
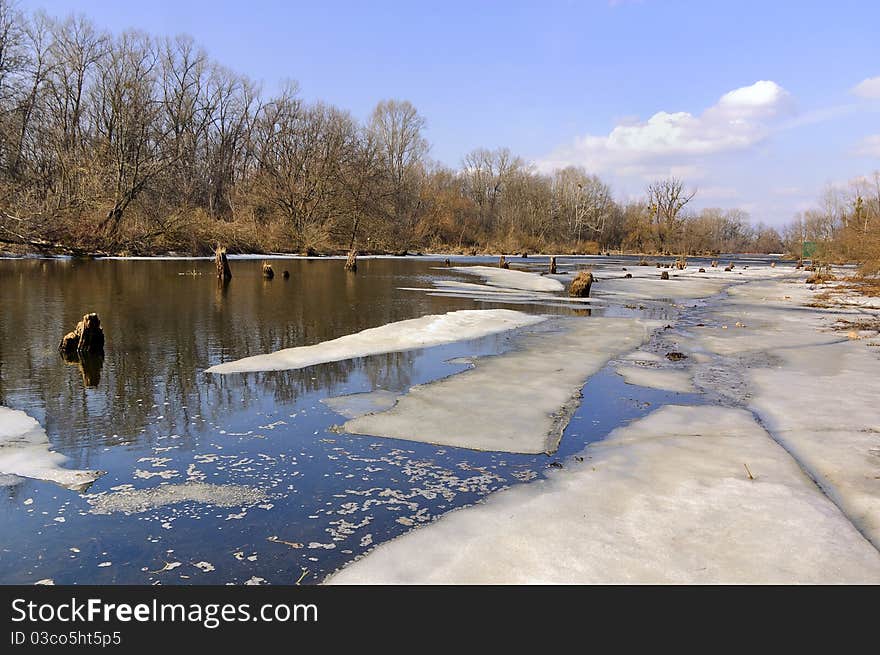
(732,266)
(222,263)
(664,275)
(681,263)
(552,267)
(659,264)
(702,270)
(87,338)
(714,264)
(446,262)
(268,273)
(580,286)
(772,264)
(728,269)
(502,262)
(628,275)
(285,274)
(525,255)
(351,264)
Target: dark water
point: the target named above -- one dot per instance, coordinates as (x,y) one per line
(149,414)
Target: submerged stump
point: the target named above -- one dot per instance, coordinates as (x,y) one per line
(268,273)
(86,339)
(351,263)
(222,264)
(580,286)
(664,275)
(552,266)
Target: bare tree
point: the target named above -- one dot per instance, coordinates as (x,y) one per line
(397,128)
(667,199)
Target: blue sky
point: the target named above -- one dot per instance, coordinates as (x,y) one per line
(756,104)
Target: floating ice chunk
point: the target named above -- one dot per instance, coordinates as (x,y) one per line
(431,330)
(25,453)
(510,279)
(517,402)
(358,404)
(667,379)
(142,500)
(665,499)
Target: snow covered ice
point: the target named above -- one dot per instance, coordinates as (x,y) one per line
(25,453)
(411,334)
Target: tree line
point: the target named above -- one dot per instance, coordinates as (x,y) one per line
(131,143)
(844,226)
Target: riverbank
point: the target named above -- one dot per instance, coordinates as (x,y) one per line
(776,480)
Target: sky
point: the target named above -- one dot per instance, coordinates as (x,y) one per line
(757,105)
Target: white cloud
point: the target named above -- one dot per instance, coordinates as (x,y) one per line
(869,147)
(740,119)
(868,88)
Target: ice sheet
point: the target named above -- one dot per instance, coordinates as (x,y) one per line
(516,402)
(25,453)
(666,499)
(814,389)
(431,330)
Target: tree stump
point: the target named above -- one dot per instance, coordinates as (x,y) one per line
(714,264)
(502,262)
(86,339)
(351,263)
(664,275)
(580,286)
(552,267)
(222,264)
(772,264)
(446,262)
(268,273)
(285,274)
(702,270)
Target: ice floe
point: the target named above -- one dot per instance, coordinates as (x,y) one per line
(666,499)
(511,279)
(25,453)
(358,404)
(519,401)
(424,332)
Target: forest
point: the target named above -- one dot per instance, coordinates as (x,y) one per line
(132,144)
